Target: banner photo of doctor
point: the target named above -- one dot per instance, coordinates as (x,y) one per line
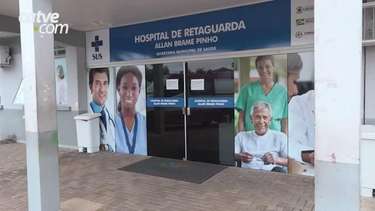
(130,117)
(99,80)
(261,113)
(301,119)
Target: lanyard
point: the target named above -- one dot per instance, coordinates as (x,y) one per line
(131,147)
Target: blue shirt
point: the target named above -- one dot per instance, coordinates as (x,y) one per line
(141,136)
(96,108)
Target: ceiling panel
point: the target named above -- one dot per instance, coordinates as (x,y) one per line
(86,15)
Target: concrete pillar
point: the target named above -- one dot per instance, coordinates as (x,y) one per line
(82,80)
(338,82)
(76,78)
(40,110)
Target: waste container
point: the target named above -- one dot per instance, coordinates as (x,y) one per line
(88,133)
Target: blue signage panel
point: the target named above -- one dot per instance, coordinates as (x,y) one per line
(165,102)
(211,102)
(262,25)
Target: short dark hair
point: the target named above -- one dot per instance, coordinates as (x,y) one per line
(128,69)
(294,62)
(263,58)
(93,71)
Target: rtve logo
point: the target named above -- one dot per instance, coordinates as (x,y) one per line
(96,44)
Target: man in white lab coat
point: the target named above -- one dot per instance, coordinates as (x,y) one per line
(301,117)
(301,120)
(98,82)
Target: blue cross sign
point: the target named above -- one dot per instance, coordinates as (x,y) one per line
(97,43)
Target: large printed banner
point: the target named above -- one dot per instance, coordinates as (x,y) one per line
(124,130)
(257,26)
(260,115)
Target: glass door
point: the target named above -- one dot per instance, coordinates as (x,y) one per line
(190,110)
(165,105)
(210,111)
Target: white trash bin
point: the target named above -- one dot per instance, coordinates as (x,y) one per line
(88,133)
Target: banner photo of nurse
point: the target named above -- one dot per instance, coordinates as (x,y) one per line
(130,117)
(274,113)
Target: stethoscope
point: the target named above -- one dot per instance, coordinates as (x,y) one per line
(107,114)
(110,118)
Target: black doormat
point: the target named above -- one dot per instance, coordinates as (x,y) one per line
(188,171)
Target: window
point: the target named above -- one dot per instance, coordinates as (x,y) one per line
(369,85)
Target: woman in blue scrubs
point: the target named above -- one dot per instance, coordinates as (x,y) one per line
(131,135)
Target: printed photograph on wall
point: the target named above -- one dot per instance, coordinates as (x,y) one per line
(301,119)
(61,81)
(130,117)
(261,113)
(99,80)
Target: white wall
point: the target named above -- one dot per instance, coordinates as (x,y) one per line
(12,124)
(10,78)
(11,118)
(72,73)
(82,82)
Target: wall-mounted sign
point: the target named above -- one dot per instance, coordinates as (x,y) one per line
(211,102)
(256,26)
(163,102)
(302,22)
(197,84)
(97,47)
(171,84)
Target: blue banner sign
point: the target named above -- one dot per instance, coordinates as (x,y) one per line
(256,26)
(211,102)
(165,102)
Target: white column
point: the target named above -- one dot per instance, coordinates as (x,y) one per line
(71,59)
(338,82)
(40,110)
